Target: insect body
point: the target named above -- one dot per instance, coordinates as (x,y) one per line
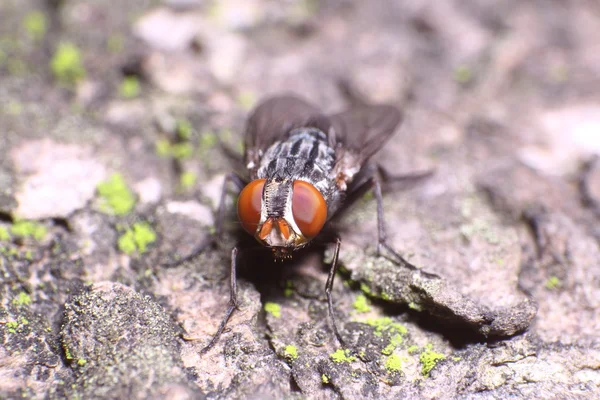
(304,167)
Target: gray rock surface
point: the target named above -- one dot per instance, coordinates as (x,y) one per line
(501,298)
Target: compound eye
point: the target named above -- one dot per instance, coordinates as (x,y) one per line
(308,208)
(249,205)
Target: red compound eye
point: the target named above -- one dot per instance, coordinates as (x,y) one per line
(309,208)
(249,205)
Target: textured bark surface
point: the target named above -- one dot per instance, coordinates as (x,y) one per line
(501,103)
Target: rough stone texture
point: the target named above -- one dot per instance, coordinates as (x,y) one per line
(500,294)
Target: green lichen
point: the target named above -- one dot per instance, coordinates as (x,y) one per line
(163,148)
(414,306)
(386,324)
(130,87)
(366,289)
(463,74)
(184,129)
(552,283)
(182,151)
(137,238)
(361,304)
(26,229)
(273,308)
(81,362)
(393,363)
(385,296)
(289,288)
(4,235)
(116,198)
(35,24)
(207,141)
(66,64)
(246,100)
(342,355)
(325,379)
(429,360)
(187,180)
(413,349)
(22,299)
(12,326)
(291,352)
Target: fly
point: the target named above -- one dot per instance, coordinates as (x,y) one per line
(303,168)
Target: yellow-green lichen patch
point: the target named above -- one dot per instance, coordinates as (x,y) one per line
(137,238)
(414,306)
(25,229)
(386,324)
(325,379)
(4,235)
(246,100)
(366,289)
(187,180)
(463,74)
(429,360)
(129,87)
(182,151)
(361,304)
(35,24)
(116,198)
(163,148)
(81,362)
(67,65)
(413,349)
(341,356)
(552,283)
(184,129)
(207,141)
(289,288)
(393,363)
(273,308)
(22,299)
(16,326)
(291,352)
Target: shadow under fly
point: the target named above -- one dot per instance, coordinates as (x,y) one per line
(303,168)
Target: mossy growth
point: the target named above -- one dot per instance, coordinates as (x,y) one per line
(552,283)
(28,229)
(22,299)
(35,24)
(116,198)
(361,304)
(273,308)
(341,356)
(393,363)
(129,87)
(429,360)
(4,235)
(291,352)
(16,326)
(137,238)
(187,180)
(67,65)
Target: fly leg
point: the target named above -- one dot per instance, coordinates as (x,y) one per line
(233,303)
(329,287)
(212,240)
(381,234)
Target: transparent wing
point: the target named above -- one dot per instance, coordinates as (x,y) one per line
(364,129)
(274,118)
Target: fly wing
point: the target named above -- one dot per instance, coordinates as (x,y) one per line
(364,129)
(273,119)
